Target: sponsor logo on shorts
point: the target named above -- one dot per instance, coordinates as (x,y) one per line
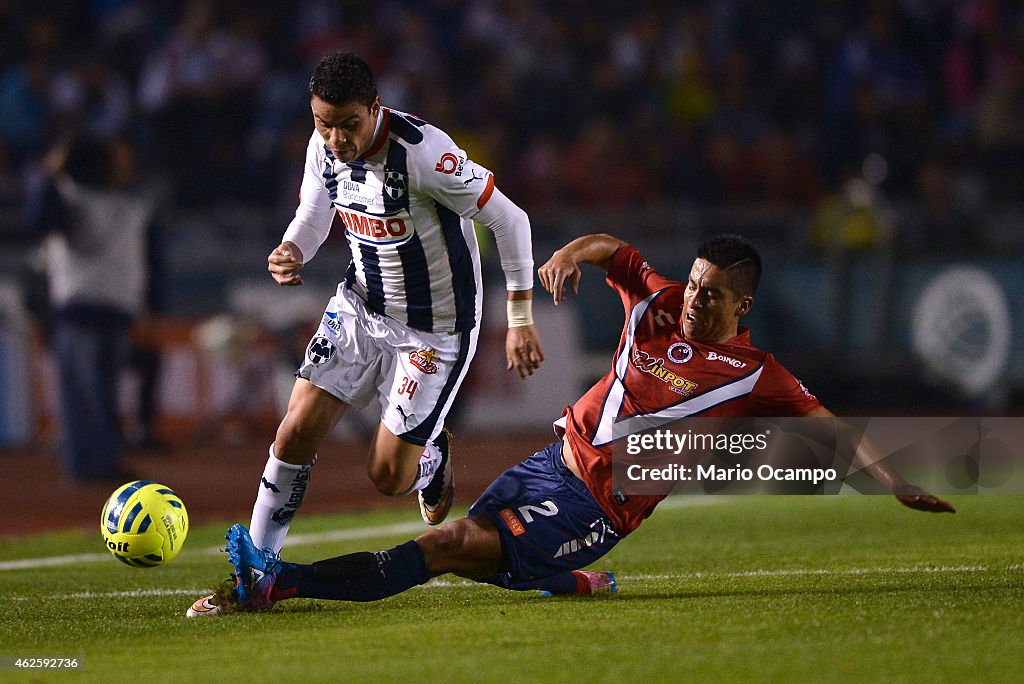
(424,360)
(512,521)
(656,367)
(599,530)
(320,350)
(680,352)
(331,321)
(735,363)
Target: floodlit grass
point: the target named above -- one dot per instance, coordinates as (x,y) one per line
(774,588)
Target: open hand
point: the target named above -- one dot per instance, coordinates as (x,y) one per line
(920,500)
(522,350)
(559,271)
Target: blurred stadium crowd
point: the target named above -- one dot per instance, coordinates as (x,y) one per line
(592,103)
(864,146)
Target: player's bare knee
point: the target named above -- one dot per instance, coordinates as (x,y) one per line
(463,547)
(294,442)
(445,548)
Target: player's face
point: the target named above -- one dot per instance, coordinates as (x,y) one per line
(347,129)
(711,309)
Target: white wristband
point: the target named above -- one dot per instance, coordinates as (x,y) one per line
(520,312)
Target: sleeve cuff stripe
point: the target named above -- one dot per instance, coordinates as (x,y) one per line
(486,194)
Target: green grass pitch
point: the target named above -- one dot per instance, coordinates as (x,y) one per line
(853,588)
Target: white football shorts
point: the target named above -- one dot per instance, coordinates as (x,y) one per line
(416,374)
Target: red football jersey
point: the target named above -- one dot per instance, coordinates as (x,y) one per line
(659,376)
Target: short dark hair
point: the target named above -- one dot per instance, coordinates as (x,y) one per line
(738,257)
(341,78)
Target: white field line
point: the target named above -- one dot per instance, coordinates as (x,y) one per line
(466,584)
(134,593)
(806,572)
(312,538)
(293,540)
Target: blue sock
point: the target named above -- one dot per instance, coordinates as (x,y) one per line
(359,576)
(563,583)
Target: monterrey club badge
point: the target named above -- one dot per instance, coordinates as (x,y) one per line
(320,350)
(394,184)
(680,352)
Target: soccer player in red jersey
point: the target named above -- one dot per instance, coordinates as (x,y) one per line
(543,520)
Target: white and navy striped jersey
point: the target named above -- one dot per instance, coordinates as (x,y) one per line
(407,205)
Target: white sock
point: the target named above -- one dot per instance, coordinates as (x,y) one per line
(282,489)
(430,459)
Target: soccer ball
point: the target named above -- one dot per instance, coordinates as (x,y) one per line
(144,524)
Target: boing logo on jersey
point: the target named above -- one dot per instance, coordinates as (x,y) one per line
(395,184)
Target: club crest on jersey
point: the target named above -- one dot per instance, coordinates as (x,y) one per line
(656,367)
(424,360)
(320,350)
(394,184)
(680,352)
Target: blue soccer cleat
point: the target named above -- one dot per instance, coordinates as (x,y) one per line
(256,569)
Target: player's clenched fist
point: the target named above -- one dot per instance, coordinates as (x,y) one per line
(284,264)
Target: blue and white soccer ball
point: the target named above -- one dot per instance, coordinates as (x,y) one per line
(144,524)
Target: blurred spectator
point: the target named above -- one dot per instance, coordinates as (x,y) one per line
(199,90)
(94,227)
(727,102)
(23,98)
(90,96)
(938,220)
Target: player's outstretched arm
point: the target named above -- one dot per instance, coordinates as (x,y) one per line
(563,267)
(523,351)
(284,264)
(867,458)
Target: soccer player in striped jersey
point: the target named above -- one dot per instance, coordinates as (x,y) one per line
(404,322)
(545,519)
